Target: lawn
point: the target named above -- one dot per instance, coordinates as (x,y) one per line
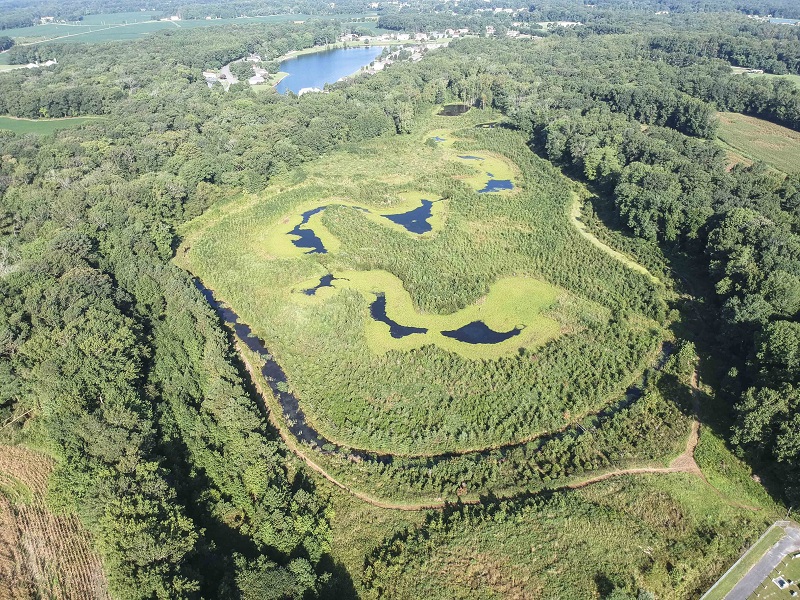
(511,260)
(757,139)
(42,126)
(789,569)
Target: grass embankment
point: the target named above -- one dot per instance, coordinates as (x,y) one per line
(42,555)
(42,126)
(635,533)
(756,139)
(360,386)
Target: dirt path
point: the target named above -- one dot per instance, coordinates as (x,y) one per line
(685,463)
(42,555)
(575,219)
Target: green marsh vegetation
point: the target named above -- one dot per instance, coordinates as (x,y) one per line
(364,389)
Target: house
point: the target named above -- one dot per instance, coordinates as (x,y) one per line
(403,37)
(489,30)
(420,37)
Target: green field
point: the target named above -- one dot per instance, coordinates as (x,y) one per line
(109,28)
(511,259)
(42,126)
(795,79)
(756,139)
(131,26)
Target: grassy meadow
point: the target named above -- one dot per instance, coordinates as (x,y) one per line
(512,259)
(756,139)
(648,533)
(42,126)
(795,79)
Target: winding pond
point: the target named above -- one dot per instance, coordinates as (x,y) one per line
(328,66)
(307,237)
(496,185)
(415,220)
(479,332)
(378,312)
(324,281)
(303,432)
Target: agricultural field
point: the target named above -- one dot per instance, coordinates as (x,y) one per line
(42,126)
(756,139)
(42,555)
(795,79)
(131,26)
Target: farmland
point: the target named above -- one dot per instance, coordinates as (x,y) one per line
(795,79)
(757,139)
(42,555)
(131,26)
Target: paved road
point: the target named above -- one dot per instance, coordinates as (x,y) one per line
(789,543)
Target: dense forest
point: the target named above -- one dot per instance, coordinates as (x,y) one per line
(111,361)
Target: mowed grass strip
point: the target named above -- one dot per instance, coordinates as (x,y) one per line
(789,569)
(727,583)
(42,126)
(761,140)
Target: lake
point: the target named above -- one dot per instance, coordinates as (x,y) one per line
(329,66)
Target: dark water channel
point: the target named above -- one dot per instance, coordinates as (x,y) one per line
(303,432)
